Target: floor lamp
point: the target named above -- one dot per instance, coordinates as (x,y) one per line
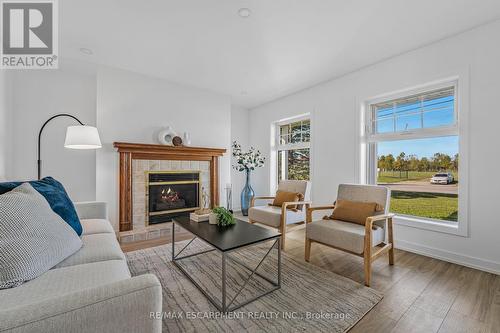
(77,137)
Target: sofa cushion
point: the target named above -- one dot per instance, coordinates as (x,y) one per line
(354,211)
(87,210)
(271,215)
(345,235)
(96,247)
(56,196)
(366,193)
(284,196)
(32,237)
(299,186)
(66,280)
(96,226)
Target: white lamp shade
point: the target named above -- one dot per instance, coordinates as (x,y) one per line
(82,137)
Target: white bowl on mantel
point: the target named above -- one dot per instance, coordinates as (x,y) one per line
(166,135)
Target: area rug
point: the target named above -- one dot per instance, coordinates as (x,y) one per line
(310,299)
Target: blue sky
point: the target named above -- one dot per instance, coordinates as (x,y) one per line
(420,147)
(437,112)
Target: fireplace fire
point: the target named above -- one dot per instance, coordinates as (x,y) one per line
(171,199)
(171,194)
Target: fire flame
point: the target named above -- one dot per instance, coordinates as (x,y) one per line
(169,195)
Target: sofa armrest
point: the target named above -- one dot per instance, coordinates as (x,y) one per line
(130,305)
(91,210)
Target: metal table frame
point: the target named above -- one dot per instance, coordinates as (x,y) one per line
(226,304)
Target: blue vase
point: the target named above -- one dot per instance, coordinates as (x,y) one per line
(246,195)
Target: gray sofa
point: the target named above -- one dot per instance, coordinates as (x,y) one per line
(90,291)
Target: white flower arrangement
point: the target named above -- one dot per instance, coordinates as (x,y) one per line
(247,161)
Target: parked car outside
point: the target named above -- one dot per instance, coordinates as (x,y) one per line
(442,178)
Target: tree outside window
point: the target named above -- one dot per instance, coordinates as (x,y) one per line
(294,150)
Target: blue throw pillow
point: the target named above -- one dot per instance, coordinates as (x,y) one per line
(56,195)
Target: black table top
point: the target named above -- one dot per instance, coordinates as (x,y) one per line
(227,238)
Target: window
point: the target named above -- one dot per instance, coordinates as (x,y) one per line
(293,148)
(423,111)
(413,148)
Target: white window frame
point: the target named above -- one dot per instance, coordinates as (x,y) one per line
(291,146)
(368,160)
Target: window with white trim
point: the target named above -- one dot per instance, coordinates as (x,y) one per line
(413,148)
(293,149)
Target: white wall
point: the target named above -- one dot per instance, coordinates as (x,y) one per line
(5,124)
(125,106)
(36,96)
(335,104)
(133,108)
(239,132)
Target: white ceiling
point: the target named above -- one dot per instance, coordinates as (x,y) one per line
(284,46)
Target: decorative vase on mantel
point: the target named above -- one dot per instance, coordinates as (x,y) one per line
(247,161)
(246,195)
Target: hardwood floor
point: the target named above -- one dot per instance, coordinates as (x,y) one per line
(179,236)
(421,294)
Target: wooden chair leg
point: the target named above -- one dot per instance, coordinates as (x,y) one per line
(283,241)
(391,241)
(368,270)
(367,253)
(282,227)
(307,255)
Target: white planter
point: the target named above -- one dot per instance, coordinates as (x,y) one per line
(212,218)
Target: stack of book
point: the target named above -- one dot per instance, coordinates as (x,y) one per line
(198,218)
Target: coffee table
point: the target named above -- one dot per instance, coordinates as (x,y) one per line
(226,240)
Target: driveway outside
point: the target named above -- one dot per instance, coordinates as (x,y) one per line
(422,186)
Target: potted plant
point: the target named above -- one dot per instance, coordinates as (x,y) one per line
(221,216)
(247,162)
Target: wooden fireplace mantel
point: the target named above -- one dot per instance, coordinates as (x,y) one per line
(142,151)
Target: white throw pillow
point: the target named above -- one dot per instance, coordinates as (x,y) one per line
(33,238)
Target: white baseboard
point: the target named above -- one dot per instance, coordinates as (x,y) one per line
(472,262)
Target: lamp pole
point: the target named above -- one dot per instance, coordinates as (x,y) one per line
(39,162)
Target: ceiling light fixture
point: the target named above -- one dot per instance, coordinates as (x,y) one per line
(244,12)
(86,51)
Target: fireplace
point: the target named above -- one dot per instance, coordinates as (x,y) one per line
(171,194)
(137,160)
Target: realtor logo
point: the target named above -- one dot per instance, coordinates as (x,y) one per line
(29,34)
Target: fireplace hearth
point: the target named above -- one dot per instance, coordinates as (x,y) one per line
(171,194)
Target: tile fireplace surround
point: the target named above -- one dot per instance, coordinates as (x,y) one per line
(135,162)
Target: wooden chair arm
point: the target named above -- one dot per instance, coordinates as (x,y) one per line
(311,209)
(379,217)
(252,202)
(291,203)
(371,254)
(369,225)
(321,208)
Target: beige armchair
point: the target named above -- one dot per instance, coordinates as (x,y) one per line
(280,217)
(368,241)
